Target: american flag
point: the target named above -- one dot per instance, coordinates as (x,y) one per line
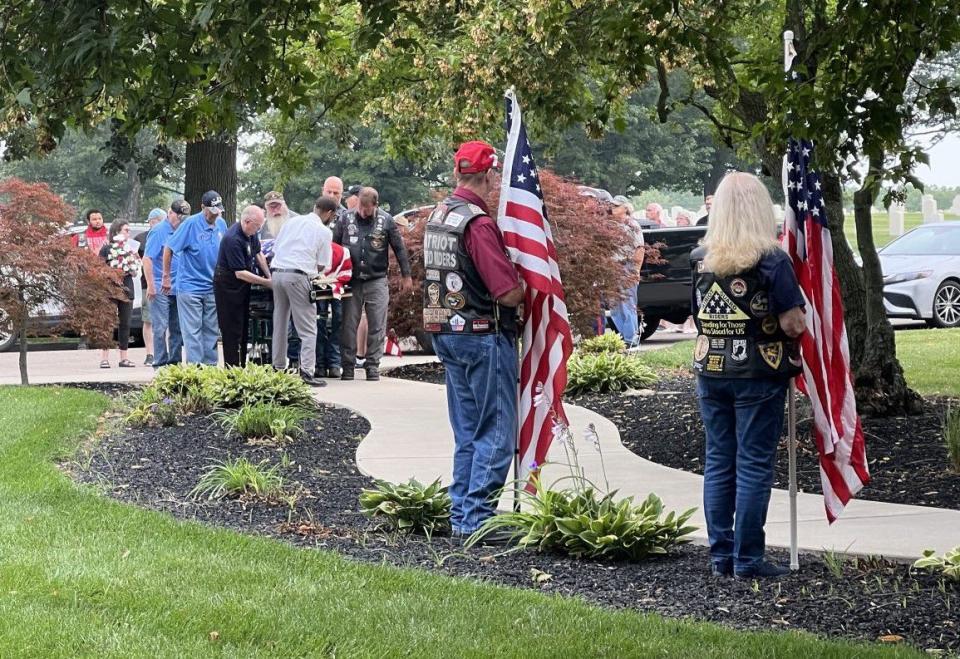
(826,378)
(340,271)
(547,341)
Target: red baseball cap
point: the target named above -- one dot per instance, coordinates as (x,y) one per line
(480,157)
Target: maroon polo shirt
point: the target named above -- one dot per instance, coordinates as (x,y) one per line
(484,244)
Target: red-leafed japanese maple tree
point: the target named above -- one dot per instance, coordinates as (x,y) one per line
(39,266)
(592,245)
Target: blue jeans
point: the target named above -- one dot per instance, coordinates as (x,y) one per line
(744,421)
(624,315)
(163,314)
(329,317)
(482,403)
(198,324)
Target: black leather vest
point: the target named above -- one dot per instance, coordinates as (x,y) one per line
(455,299)
(367,243)
(738,337)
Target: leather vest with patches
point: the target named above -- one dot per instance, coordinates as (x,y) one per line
(737,336)
(367,243)
(455,299)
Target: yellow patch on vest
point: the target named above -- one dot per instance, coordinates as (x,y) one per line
(772,353)
(717,305)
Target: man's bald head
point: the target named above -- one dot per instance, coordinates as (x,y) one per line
(251,220)
(333,188)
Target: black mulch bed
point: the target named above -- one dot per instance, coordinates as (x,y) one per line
(157,468)
(112,389)
(907,456)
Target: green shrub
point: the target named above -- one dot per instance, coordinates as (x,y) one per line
(265,420)
(606,342)
(951,436)
(179,380)
(948,564)
(238,478)
(409,507)
(154,408)
(253,384)
(604,372)
(585,524)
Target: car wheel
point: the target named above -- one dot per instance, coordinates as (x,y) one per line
(8,337)
(946,304)
(648,325)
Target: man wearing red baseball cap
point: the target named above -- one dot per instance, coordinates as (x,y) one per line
(470,294)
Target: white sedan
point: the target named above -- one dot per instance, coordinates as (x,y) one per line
(921,275)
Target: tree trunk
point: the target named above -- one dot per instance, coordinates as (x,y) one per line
(880,385)
(848,272)
(212,165)
(22,338)
(130,210)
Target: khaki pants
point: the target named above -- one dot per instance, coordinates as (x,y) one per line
(291,297)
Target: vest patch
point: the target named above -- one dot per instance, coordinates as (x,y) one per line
(769,325)
(454,282)
(772,353)
(738,287)
(454,301)
(738,350)
(433,295)
(715,363)
(454,220)
(703,345)
(759,304)
(440,251)
(433,275)
(481,325)
(435,316)
(457,323)
(717,305)
(718,344)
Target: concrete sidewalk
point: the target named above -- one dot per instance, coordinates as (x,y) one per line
(410,437)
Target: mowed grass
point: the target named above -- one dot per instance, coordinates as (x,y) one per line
(81,575)
(881,228)
(930,359)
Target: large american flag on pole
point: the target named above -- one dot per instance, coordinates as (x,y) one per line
(547,341)
(826,378)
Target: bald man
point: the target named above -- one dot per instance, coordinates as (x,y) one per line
(237,262)
(330,312)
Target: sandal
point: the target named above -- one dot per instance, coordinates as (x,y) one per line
(126,363)
(104,364)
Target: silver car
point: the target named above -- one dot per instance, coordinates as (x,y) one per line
(921,275)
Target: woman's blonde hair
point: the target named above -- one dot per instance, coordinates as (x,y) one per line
(742,226)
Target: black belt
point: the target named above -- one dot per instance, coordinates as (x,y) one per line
(290,271)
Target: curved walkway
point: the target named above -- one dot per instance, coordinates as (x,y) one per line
(410,436)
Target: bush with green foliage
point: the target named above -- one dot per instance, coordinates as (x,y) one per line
(179,380)
(154,408)
(948,564)
(605,372)
(606,342)
(585,524)
(265,420)
(240,477)
(951,436)
(239,387)
(409,507)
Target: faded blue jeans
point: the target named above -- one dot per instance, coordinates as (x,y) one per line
(198,325)
(744,421)
(481,372)
(163,314)
(329,318)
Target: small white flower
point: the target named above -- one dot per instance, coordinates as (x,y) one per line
(590,435)
(539,398)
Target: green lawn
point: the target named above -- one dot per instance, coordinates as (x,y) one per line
(930,359)
(881,228)
(81,575)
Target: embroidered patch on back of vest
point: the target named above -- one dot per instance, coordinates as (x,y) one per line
(435,316)
(454,220)
(715,364)
(433,275)
(480,325)
(433,295)
(457,323)
(738,287)
(454,301)
(769,325)
(454,282)
(759,304)
(717,305)
(738,350)
(700,351)
(772,353)
(476,209)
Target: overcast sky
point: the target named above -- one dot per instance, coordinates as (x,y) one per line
(944,167)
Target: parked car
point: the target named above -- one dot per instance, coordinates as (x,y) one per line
(45,319)
(921,275)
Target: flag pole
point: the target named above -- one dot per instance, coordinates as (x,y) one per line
(788,54)
(510,93)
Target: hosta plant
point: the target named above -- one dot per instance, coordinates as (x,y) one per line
(948,564)
(410,507)
(606,342)
(179,380)
(264,420)
(239,477)
(605,372)
(239,387)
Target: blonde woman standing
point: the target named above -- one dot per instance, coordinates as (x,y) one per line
(748,309)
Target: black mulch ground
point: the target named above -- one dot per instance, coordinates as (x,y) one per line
(908,459)
(157,468)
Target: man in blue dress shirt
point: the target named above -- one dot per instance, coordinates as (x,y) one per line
(196,244)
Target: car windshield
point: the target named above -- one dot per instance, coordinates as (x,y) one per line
(939,240)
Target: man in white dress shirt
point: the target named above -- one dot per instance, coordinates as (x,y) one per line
(301,250)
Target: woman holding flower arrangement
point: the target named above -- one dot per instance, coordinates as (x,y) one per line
(120,253)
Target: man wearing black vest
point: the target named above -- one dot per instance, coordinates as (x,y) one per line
(366,231)
(470,294)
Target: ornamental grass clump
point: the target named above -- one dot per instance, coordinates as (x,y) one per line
(408,507)
(610,342)
(948,565)
(265,421)
(606,372)
(951,436)
(240,477)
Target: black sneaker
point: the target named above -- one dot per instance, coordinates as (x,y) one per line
(148,361)
(721,568)
(763,570)
(334,372)
(373,374)
(347,374)
(312,381)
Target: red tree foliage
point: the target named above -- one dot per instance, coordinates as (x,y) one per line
(592,248)
(40,266)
